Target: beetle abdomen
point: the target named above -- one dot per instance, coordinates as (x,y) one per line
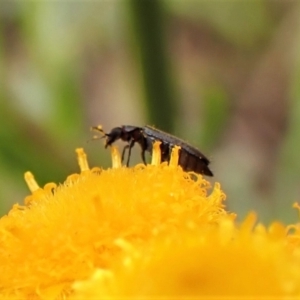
(190,162)
(190,158)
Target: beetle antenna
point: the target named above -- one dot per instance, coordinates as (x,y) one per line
(96,137)
(98,128)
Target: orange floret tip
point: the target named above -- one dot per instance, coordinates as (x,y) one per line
(156,157)
(82,160)
(116,159)
(293,233)
(31,183)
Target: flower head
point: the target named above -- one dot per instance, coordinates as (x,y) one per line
(147,231)
(220,261)
(64,233)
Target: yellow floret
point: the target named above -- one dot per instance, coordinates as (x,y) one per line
(150,231)
(64,233)
(219,262)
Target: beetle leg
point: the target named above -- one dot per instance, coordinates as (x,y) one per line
(123,152)
(143,156)
(129,151)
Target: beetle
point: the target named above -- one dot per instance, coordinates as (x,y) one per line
(190,158)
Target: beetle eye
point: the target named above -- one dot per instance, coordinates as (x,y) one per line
(115,134)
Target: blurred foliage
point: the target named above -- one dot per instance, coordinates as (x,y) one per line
(216,107)
(184,66)
(244,23)
(148,25)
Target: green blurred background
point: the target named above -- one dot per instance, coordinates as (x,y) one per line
(223,75)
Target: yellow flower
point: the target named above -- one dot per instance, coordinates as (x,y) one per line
(223,262)
(143,232)
(64,233)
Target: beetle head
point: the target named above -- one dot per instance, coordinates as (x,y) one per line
(115,134)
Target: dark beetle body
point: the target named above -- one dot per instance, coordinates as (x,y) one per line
(190,158)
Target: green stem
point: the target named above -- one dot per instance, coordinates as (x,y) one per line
(148,29)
